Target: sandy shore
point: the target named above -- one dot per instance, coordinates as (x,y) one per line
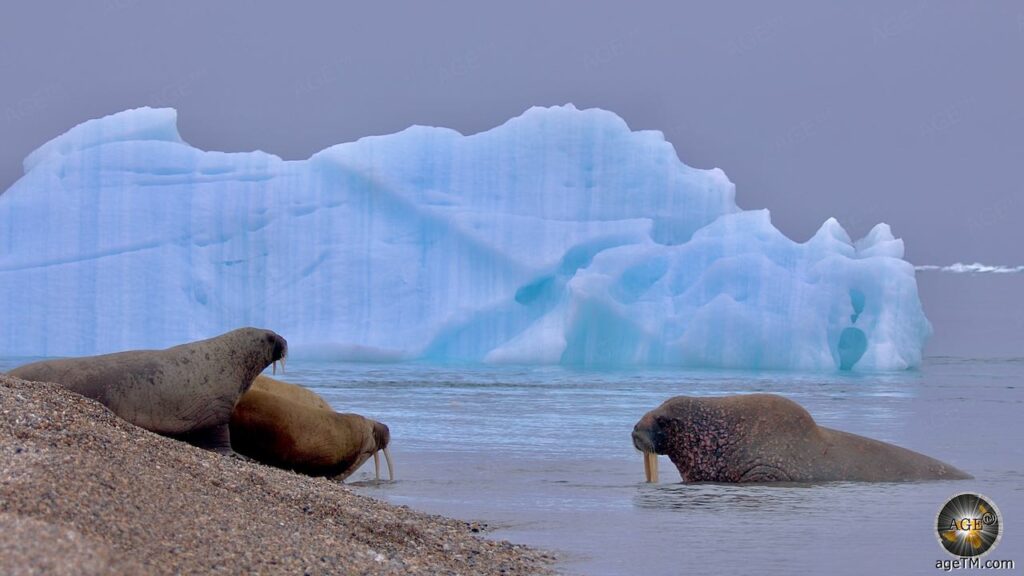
(84,492)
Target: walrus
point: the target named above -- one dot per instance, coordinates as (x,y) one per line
(768,438)
(291,427)
(186,392)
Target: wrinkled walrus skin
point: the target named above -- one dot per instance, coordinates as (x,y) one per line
(186,392)
(768,438)
(290,427)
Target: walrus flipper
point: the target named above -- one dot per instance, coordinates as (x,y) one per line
(214,438)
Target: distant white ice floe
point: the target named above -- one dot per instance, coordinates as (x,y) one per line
(976,268)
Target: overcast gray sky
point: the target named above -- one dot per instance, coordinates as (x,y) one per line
(903,112)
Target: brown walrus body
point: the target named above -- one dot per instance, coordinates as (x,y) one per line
(768,438)
(186,392)
(293,392)
(290,427)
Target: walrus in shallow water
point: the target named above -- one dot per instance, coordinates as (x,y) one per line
(186,392)
(767,438)
(291,427)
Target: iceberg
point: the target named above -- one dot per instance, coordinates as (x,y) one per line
(561,236)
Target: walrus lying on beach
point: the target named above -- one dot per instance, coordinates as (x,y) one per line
(290,427)
(768,438)
(186,392)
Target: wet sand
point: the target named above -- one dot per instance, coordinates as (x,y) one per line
(84,492)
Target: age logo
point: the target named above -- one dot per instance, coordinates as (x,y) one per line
(968,525)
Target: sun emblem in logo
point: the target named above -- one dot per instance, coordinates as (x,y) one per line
(968,525)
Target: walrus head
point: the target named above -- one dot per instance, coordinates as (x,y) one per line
(727,439)
(373,438)
(252,350)
(276,346)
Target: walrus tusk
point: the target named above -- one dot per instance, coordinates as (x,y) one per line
(651,467)
(391,467)
(376,465)
(274,364)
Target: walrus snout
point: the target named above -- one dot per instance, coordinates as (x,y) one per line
(381,435)
(644,441)
(381,440)
(647,434)
(279,350)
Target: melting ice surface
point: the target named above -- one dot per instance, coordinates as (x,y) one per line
(558,237)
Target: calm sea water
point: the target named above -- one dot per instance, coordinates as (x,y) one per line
(543,455)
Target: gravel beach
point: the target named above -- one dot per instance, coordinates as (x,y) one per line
(84,492)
